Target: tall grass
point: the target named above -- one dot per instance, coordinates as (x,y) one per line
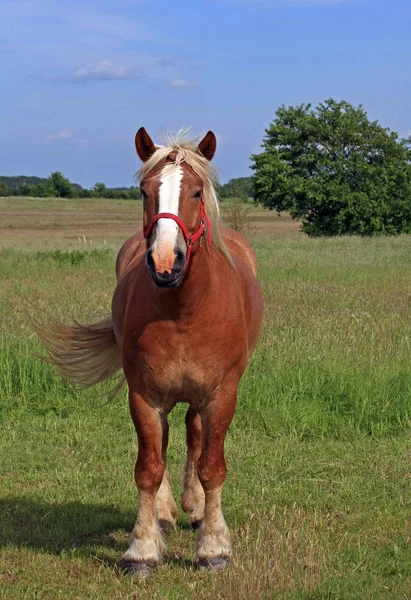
(335,351)
(333,360)
(317,495)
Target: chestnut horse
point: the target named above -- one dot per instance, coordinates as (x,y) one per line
(186,316)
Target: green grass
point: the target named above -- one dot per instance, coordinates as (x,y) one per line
(318,490)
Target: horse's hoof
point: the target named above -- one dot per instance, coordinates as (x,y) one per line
(165,526)
(140,569)
(196,524)
(213,565)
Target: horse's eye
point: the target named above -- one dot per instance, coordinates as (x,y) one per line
(143,193)
(198,194)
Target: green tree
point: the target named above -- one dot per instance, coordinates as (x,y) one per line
(76,190)
(113,193)
(336,170)
(100,190)
(134,193)
(60,184)
(26,189)
(4,190)
(41,190)
(240,187)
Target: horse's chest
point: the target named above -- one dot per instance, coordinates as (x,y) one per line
(173,364)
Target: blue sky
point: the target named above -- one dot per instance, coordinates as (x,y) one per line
(79,78)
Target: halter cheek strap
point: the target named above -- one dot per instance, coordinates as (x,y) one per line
(189,239)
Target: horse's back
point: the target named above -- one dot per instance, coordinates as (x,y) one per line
(240,247)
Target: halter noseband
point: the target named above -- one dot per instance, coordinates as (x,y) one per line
(189,239)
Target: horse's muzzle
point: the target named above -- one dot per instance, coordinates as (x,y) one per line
(168,279)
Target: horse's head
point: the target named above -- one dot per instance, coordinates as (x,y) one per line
(175,218)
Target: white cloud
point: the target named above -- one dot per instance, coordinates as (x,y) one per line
(121,68)
(82,142)
(182,84)
(166,62)
(104,70)
(63,134)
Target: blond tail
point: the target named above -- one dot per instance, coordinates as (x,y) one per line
(84,354)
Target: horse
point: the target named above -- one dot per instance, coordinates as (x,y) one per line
(186,316)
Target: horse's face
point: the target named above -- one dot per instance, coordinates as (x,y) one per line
(175,190)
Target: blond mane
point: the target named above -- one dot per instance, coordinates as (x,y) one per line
(185,151)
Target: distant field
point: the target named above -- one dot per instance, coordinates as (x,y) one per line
(38,222)
(319,453)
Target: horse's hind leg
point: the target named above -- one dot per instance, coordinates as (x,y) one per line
(146,543)
(192,499)
(213,542)
(165,503)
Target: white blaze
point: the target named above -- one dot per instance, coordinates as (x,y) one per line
(167,229)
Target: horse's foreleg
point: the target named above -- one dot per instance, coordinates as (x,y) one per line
(165,504)
(146,543)
(213,543)
(192,499)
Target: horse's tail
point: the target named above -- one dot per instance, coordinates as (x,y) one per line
(84,354)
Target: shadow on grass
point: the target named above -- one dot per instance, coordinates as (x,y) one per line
(58,527)
(100,531)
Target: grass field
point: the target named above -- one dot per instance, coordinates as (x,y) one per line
(319,483)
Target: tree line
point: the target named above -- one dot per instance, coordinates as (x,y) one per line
(59,186)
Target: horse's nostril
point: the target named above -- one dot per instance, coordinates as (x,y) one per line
(166,276)
(180,260)
(149,258)
(166,273)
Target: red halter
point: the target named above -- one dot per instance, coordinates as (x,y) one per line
(190,239)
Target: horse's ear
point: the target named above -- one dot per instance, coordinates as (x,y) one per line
(144,144)
(208,145)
